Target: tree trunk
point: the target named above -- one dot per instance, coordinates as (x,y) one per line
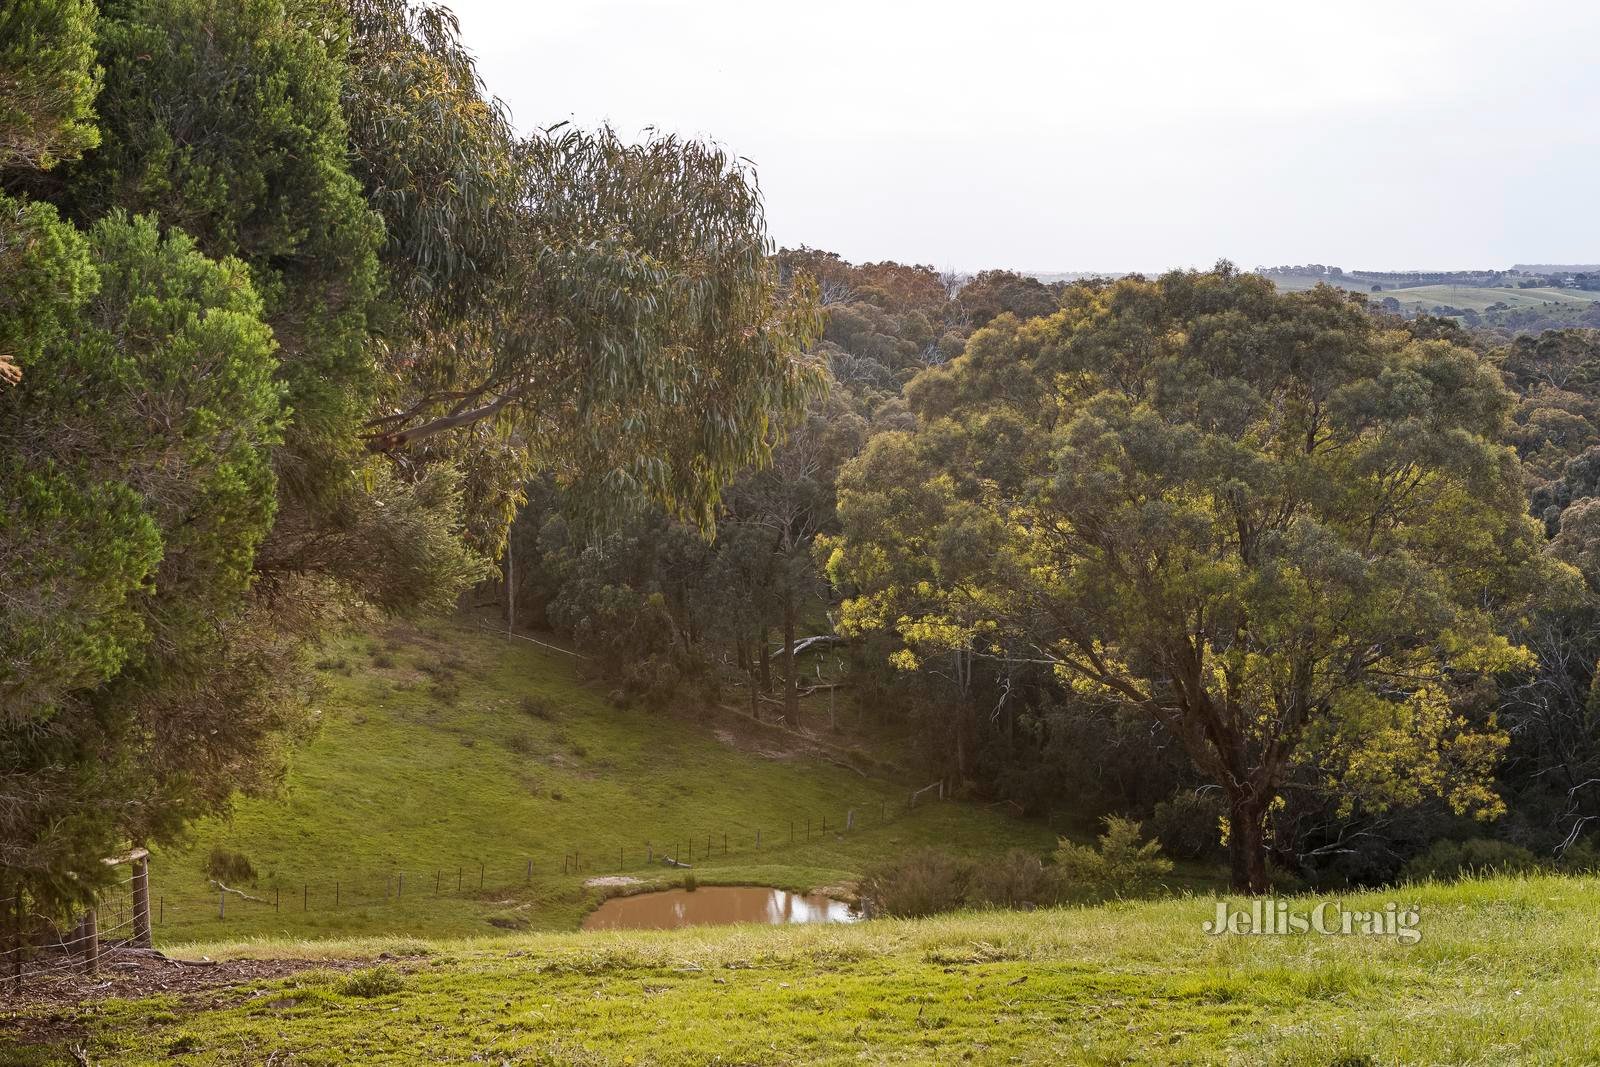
(16,942)
(765,662)
(1247,845)
(791,684)
(511,590)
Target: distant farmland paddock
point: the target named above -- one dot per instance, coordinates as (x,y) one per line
(1465,297)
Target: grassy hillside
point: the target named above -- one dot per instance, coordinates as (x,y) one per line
(447,755)
(1504,973)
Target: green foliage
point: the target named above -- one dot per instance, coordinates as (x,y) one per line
(1201,499)
(1121,864)
(1018,879)
(138,484)
(225,120)
(232,868)
(1189,824)
(48,81)
(1446,860)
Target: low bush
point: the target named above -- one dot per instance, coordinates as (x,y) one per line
(1121,864)
(1189,824)
(1445,860)
(538,707)
(230,868)
(922,883)
(1018,879)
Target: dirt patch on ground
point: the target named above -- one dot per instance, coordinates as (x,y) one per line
(133,974)
(759,742)
(50,1007)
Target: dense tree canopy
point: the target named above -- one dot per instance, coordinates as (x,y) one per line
(136,457)
(1272,524)
(292,334)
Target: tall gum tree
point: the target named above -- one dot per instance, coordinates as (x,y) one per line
(1282,528)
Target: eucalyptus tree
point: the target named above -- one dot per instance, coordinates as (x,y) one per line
(1278,526)
(647,349)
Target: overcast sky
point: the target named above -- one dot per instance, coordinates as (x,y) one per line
(1114,135)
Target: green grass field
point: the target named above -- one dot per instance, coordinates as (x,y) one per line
(1504,973)
(1465,297)
(447,755)
(1427,297)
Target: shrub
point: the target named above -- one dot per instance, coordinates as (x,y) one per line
(1445,860)
(925,882)
(538,708)
(233,868)
(373,982)
(1189,824)
(383,661)
(690,883)
(445,692)
(1018,879)
(521,742)
(1581,857)
(1121,864)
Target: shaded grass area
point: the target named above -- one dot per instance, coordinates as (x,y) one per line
(1504,973)
(462,783)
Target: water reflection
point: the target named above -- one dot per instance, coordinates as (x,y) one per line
(716,904)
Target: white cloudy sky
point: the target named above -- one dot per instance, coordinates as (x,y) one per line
(1112,135)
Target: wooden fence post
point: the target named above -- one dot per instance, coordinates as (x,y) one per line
(141,899)
(89,941)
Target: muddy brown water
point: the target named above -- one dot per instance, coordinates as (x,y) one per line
(716,905)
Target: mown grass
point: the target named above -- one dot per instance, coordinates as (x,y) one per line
(1504,973)
(446,756)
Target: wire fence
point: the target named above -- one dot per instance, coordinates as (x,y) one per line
(50,953)
(485,878)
